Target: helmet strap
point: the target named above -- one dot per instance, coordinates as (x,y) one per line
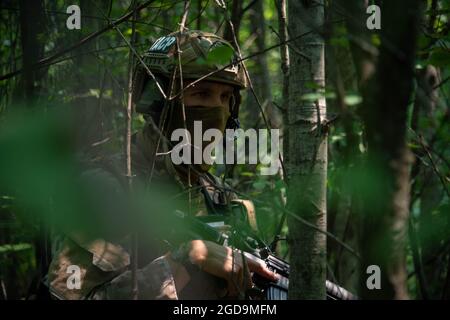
(233,120)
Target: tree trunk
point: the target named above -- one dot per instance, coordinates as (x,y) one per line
(307,153)
(235,16)
(88,77)
(363,51)
(260,75)
(386,188)
(341,199)
(32,27)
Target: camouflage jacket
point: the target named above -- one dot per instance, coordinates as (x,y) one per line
(104,264)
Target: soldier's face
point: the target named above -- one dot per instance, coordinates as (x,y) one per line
(208,94)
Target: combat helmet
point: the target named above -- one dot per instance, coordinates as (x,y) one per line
(201,54)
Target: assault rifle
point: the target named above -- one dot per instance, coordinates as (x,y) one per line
(256,250)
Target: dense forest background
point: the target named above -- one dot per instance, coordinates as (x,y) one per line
(385,165)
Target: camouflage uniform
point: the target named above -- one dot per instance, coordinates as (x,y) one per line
(105,262)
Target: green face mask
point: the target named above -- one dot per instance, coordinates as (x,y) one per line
(210,117)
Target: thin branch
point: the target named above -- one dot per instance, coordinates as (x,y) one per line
(441,83)
(56,12)
(291,47)
(3,287)
(245,58)
(42,62)
(187,4)
(183,109)
(247,75)
(200,12)
(247,7)
(134,263)
(330,235)
(149,72)
(285,65)
(89,52)
(417,260)
(113,78)
(441,251)
(83,41)
(279,107)
(287,211)
(433,164)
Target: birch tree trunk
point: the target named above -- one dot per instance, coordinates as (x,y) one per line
(306,153)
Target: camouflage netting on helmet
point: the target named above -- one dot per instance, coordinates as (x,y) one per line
(201,53)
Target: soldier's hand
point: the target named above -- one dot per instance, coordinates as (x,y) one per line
(224,263)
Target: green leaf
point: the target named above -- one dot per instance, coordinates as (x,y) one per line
(352,99)
(423,41)
(221,55)
(247,174)
(279,184)
(14,247)
(259,185)
(339,41)
(313,85)
(337,137)
(376,41)
(330,95)
(440,57)
(413,145)
(312,96)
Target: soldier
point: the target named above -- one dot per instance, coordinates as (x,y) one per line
(192,270)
